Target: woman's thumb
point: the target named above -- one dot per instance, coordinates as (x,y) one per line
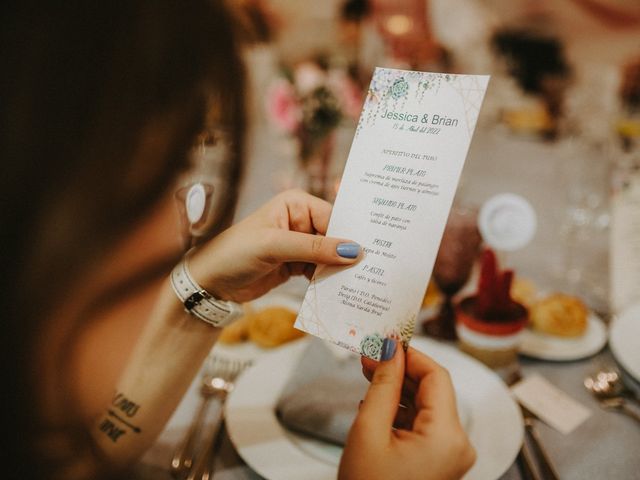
(288,246)
(378,411)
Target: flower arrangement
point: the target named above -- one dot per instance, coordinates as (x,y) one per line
(310,101)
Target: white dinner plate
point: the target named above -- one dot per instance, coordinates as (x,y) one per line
(247,351)
(551,347)
(624,340)
(493,420)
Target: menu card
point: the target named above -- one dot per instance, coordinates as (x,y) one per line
(394,199)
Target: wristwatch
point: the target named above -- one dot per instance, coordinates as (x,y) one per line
(200,303)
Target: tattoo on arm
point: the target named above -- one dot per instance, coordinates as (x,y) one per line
(111,430)
(125,405)
(117,423)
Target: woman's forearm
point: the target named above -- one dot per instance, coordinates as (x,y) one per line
(162,366)
(283,238)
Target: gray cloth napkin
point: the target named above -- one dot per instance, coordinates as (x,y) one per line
(322,396)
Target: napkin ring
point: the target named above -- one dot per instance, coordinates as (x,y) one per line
(200,303)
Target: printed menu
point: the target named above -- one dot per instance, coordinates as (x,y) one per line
(394,199)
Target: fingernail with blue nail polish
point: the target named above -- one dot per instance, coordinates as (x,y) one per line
(348,250)
(388,349)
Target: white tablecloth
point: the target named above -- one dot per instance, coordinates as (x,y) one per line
(606,446)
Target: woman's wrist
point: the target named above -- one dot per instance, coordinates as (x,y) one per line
(200,302)
(209,275)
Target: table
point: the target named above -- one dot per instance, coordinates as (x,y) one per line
(607,445)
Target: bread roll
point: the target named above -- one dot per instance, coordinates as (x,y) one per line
(273,326)
(560,315)
(236,332)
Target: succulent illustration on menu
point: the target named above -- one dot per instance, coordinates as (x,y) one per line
(371,345)
(400,88)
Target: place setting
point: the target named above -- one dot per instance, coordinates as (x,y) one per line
(346,239)
(470,265)
(276,398)
(286,376)
(623,340)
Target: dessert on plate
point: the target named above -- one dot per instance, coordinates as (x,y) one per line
(489,324)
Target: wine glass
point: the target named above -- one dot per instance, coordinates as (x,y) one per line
(458,250)
(587,170)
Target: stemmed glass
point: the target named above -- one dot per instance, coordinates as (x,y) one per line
(587,170)
(458,251)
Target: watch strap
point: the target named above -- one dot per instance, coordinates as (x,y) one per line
(200,303)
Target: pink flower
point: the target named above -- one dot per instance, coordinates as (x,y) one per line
(347,92)
(352,100)
(307,77)
(283,106)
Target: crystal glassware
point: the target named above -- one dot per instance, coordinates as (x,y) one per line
(458,251)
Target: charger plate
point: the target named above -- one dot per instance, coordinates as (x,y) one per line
(492,418)
(551,347)
(624,340)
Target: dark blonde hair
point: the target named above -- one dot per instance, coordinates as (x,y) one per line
(83,84)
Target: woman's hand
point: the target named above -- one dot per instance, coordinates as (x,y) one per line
(283,238)
(428,443)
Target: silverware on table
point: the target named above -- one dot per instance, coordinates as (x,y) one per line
(547,470)
(203,466)
(182,460)
(532,447)
(611,392)
(189,459)
(619,404)
(608,383)
(526,464)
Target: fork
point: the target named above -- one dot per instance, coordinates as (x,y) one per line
(203,467)
(548,471)
(216,381)
(620,404)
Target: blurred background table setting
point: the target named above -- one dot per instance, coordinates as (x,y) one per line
(555,311)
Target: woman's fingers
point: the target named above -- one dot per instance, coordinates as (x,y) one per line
(409,386)
(368,367)
(405,417)
(435,398)
(426,386)
(307,214)
(309,270)
(296,268)
(378,411)
(295,226)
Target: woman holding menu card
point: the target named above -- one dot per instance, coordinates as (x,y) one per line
(101,103)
